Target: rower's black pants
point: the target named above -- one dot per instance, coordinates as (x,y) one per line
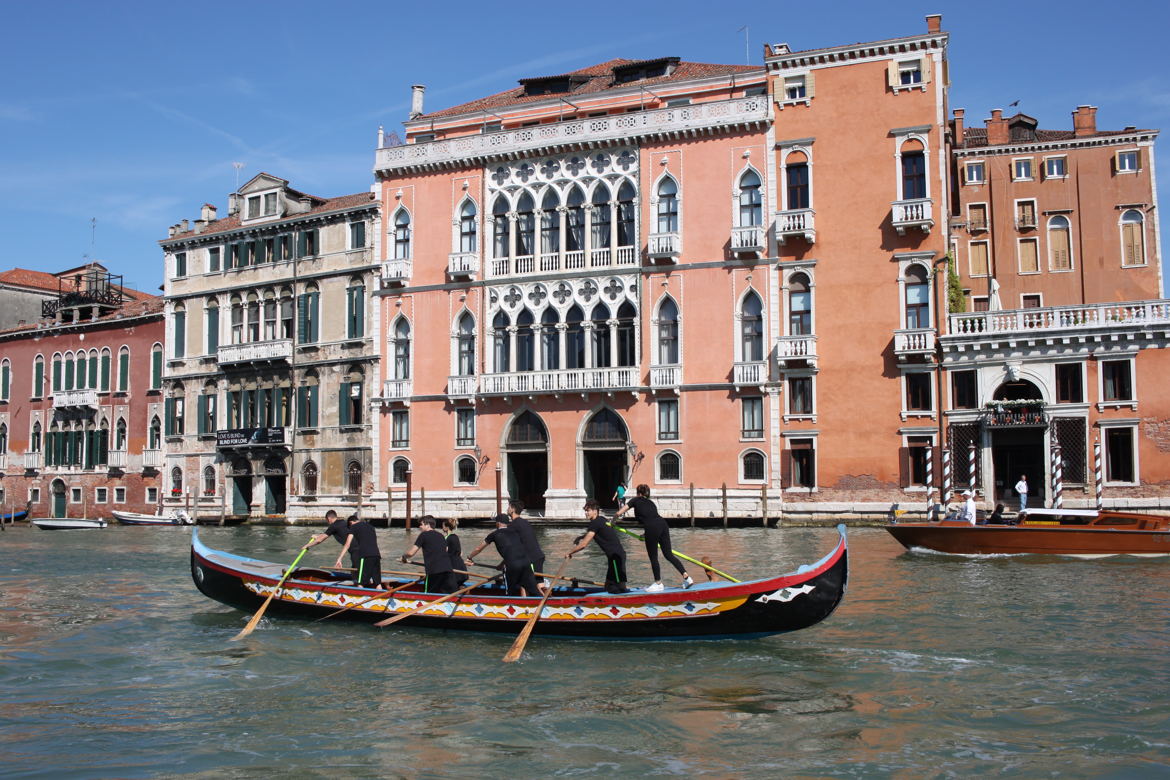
(615,573)
(658,536)
(517,577)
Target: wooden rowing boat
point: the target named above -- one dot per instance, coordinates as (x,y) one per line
(755,608)
(1046,532)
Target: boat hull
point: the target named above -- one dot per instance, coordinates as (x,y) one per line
(67,524)
(965,539)
(710,610)
(134,518)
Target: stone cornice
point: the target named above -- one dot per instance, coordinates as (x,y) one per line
(266,228)
(1032,147)
(833,55)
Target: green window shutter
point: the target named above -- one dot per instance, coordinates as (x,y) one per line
(124,371)
(104,446)
(313,389)
(156,360)
(201,424)
(38,378)
(180,334)
(343,412)
(361,311)
(68,374)
(231,411)
(169,406)
(302,317)
(56,375)
(90,441)
(312,317)
(5,376)
(301,244)
(212,330)
(105,382)
(92,373)
(350,311)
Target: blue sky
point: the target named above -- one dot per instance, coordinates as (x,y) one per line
(133,112)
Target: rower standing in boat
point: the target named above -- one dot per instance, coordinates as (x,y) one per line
(657,536)
(454,551)
(339,530)
(607,539)
(517,568)
(523,529)
(369,558)
(436,562)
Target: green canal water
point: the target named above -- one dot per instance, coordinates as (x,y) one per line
(112,664)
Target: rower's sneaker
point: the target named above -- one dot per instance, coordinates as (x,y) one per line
(687,581)
(655,588)
(546,584)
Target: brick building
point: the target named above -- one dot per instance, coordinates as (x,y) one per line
(80,396)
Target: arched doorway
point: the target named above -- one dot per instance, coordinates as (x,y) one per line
(1017,429)
(603,449)
(241,474)
(58,490)
(275,491)
(527,448)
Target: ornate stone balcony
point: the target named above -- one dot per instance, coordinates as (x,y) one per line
(571,380)
(798,223)
(463,265)
(749,373)
(4,461)
(33,460)
(552,262)
(396,271)
(117,459)
(665,378)
(397,390)
(747,240)
(664,246)
(914,343)
(796,349)
(63,398)
(276,351)
(664,123)
(1100,316)
(152,459)
(918,213)
(462,386)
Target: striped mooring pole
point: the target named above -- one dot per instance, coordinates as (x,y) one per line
(1057,478)
(971,467)
(1098,479)
(946,476)
(929,477)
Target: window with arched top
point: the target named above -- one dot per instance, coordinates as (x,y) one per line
(209,480)
(355,308)
(465,469)
(751,209)
(626,335)
(34,444)
(38,377)
(550,223)
(625,215)
(666,212)
(5,379)
(3,438)
(1059,244)
(466,344)
(752,464)
(353,478)
(271,315)
(398,471)
(796,181)
(401,349)
(525,226)
(527,429)
(501,344)
(58,372)
(917,296)
(176,481)
(154,438)
(104,360)
(1133,238)
(501,228)
(667,332)
(575,220)
(669,467)
(402,235)
(600,218)
(120,435)
(574,338)
(237,316)
(550,340)
(468,237)
(600,336)
(80,374)
(156,366)
(913,162)
(605,427)
(252,330)
(525,341)
(351,404)
(799,305)
(309,479)
(751,328)
(179,331)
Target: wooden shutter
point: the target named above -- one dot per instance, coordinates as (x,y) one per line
(180,334)
(313,390)
(123,371)
(1060,249)
(213,329)
(927,66)
(892,77)
(302,318)
(201,410)
(344,416)
(38,378)
(978,259)
(5,376)
(1132,245)
(169,415)
(808,84)
(105,376)
(155,369)
(301,243)
(314,316)
(1029,262)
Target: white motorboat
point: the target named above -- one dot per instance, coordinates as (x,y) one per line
(67,523)
(137,518)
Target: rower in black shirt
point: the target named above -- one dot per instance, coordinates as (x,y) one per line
(436,562)
(517,570)
(369,562)
(657,536)
(600,531)
(454,552)
(339,530)
(523,529)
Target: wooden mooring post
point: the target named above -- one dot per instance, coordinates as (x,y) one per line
(692,505)
(724,490)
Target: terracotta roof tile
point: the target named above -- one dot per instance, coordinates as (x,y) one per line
(600,79)
(974,137)
(26,277)
(233,222)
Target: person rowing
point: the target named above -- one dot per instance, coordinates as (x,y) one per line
(657,536)
(363,538)
(454,550)
(520,525)
(339,530)
(436,562)
(607,539)
(518,576)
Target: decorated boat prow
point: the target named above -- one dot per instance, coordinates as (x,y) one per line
(711,610)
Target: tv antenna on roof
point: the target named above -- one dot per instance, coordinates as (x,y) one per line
(747,57)
(238,166)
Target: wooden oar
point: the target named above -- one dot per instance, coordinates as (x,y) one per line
(260,612)
(377,595)
(540,574)
(429,604)
(517,648)
(682,555)
(458,571)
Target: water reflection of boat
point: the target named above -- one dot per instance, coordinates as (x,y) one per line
(779,604)
(137,518)
(67,523)
(1045,531)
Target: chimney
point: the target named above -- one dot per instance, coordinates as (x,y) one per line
(416,100)
(183,226)
(934,23)
(234,201)
(779,49)
(1084,121)
(997,128)
(957,125)
(207,213)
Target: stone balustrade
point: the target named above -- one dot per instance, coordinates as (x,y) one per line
(572,380)
(1095,316)
(797,223)
(63,398)
(255,352)
(916,213)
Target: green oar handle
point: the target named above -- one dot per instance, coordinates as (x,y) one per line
(682,555)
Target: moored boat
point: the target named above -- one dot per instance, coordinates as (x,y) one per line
(755,608)
(1046,532)
(137,518)
(67,523)
(12,517)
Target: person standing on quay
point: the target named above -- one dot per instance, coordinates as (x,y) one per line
(1022,489)
(607,539)
(369,557)
(520,525)
(339,530)
(657,536)
(436,562)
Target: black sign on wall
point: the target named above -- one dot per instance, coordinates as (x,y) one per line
(249,437)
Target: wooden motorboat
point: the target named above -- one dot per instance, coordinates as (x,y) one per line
(137,518)
(68,523)
(12,517)
(774,605)
(1045,531)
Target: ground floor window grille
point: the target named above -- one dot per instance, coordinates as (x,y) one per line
(1070,434)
